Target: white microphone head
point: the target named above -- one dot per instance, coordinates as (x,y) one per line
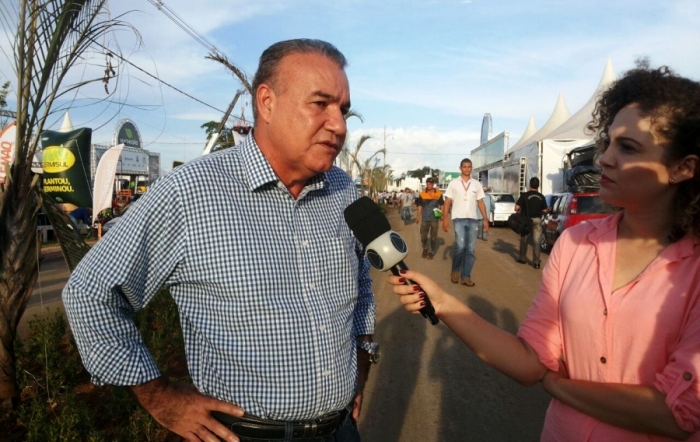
(387,250)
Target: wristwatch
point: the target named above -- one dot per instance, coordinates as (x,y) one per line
(372,348)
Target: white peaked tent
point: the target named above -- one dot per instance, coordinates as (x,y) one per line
(544,151)
(529,131)
(575,127)
(559,115)
(67,125)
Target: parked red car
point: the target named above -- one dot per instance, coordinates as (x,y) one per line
(571,209)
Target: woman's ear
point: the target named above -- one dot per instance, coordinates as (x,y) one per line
(686,169)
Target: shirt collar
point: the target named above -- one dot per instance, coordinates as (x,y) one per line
(606,229)
(260,172)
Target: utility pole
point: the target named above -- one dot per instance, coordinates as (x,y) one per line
(215,136)
(384,163)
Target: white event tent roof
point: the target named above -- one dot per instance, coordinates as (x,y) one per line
(575,127)
(560,114)
(545,149)
(529,131)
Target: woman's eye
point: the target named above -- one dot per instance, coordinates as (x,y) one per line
(627,148)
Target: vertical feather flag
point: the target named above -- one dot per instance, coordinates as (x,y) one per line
(104,180)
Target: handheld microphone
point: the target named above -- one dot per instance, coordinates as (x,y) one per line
(385,248)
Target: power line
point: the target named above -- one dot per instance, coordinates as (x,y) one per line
(192,32)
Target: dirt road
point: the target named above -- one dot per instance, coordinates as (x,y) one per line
(428,386)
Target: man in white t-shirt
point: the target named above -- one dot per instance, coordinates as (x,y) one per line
(464,196)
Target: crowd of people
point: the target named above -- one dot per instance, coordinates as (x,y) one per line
(279,349)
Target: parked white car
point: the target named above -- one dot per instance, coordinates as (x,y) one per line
(503,207)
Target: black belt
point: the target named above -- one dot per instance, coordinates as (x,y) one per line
(256,428)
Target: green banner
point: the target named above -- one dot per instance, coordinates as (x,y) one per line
(449,176)
(66,162)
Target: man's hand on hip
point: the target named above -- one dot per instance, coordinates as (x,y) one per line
(185,411)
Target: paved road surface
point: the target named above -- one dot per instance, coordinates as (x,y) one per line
(427,387)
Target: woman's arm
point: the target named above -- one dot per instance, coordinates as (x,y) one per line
(501,350)
(634,407)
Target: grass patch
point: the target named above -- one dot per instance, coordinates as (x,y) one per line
(59,403)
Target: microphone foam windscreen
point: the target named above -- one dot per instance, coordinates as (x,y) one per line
(366,220)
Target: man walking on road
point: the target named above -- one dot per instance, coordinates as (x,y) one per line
(277,348)
(534,205)
(430,204)
(406,201)
(464,196)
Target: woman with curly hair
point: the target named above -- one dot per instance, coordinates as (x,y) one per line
(614,332)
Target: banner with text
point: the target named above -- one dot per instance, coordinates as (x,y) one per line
(66,161)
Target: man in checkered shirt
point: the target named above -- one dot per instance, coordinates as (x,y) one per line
(271,315)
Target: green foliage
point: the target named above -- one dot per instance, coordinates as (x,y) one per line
(58,402)
(4,91)
(225,138)
(423,172)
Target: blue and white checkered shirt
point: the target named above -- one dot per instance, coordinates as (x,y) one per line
(271,290)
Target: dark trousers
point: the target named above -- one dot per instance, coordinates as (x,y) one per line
(428,235)
(535,236)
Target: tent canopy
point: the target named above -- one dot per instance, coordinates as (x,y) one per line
(559,115)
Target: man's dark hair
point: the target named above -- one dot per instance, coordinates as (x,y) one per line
(272,56)
(534,183)
(466,160)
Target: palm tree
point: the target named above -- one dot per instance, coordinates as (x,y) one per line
(51,37)
(345,160)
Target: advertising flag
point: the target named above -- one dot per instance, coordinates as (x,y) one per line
(104,180)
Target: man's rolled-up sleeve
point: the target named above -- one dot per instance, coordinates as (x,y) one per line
(118,277)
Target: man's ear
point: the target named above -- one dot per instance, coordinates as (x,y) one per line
(687,168)
(265,99)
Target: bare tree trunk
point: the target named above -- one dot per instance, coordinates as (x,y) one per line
(51,37)
(19,267)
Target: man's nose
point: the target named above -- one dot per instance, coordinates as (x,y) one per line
(335,121)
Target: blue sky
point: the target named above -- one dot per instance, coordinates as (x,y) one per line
(427,70)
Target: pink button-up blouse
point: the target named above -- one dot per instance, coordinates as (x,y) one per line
(645,333)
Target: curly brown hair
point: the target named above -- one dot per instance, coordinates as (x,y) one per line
(673,103)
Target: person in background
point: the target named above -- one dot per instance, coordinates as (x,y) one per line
(277,347)
(489,204)
(465,197)
(614,332)
(430,204)
(406,200)
(534,205)
(81,215)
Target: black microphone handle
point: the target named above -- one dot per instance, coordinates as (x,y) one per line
(427,311)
